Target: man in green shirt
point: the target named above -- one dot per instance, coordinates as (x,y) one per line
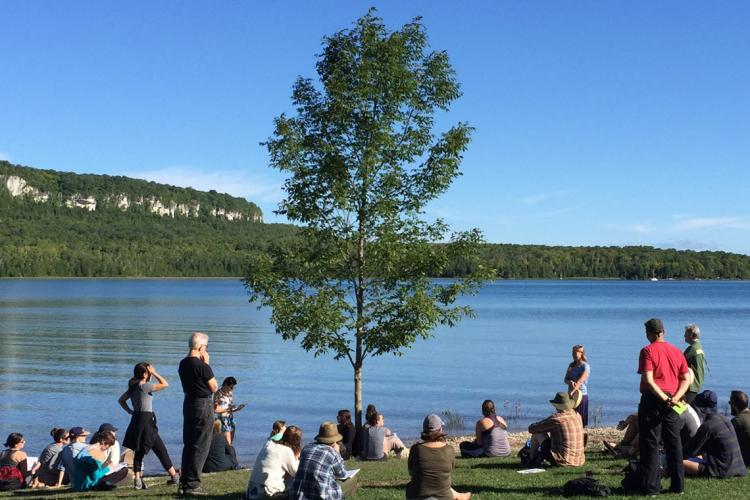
(741,422)
(696,360)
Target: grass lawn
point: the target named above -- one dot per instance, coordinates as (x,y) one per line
(484,477)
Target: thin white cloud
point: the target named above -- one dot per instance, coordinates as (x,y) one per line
(640,228)
(537,198)
(699,223)
(256,188)
(4,156)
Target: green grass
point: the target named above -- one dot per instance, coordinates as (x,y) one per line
(484,477)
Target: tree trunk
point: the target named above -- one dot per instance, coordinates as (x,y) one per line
(358,397)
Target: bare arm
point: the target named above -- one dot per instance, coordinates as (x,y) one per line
(161,381)
(684,386)
(648,379)
(124,403)
(213,385)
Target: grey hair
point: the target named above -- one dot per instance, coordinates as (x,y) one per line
(198,339)
(693,330)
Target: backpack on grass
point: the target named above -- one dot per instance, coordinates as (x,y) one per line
(633,480)
(585,486)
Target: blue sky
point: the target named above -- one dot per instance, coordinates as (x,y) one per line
(597,123)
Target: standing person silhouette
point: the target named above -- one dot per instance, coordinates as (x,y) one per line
(198,384)
(664,380)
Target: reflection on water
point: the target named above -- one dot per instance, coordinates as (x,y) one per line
(69,347)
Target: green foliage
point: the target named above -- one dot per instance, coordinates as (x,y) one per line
(630,263)
(45,239)
(362,163)
(62,185)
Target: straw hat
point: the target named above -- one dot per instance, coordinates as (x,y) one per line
(328,434)
(563,401)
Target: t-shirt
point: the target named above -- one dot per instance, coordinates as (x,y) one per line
(576,372)
(373,443)
(666,362)
(141,397)
(273,470)
(68,454)
(49,461)
(194,375)
(112,455)
(430,470)
(741,424)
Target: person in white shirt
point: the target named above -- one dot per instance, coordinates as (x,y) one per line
(276,466)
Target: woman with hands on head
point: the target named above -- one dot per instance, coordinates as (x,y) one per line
(142,434)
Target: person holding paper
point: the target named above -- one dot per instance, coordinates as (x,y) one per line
(664,381)
(321,472)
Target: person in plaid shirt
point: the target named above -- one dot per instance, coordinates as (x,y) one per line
(560,436)
(321,469)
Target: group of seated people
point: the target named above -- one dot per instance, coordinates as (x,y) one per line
(712,445)
(67,460)
(283,469)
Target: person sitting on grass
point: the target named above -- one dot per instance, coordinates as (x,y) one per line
(628,445)
(378,440)
(14,457)
(221,455)
(431,463)
(491,435)
(347,431)
(741,422)
(559,437)
(45,471)
(77,437)
(89,472)
(276,466)
(714,450)
(277,430)
(321,472)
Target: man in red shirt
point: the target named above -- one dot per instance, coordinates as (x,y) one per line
(664,380)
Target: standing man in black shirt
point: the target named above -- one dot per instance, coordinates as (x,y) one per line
(198,384)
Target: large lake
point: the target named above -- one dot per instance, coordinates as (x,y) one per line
(68,347)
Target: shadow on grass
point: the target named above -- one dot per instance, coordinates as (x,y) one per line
(554,491)
(501,465)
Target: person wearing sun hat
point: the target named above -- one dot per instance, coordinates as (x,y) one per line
(714,451)
(321,472)
(559,437)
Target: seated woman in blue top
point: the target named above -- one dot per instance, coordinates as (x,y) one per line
(89,473)
(491,435)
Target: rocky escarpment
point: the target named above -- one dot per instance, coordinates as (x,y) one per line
(19,187)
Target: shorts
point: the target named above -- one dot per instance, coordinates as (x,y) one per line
(227,423)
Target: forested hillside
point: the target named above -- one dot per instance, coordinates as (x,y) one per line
(52,239)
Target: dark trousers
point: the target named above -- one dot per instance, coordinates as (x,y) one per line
(159,450)
(658,423)
(198,419)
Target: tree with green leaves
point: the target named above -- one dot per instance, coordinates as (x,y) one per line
(363,162)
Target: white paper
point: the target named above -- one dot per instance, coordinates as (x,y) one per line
(530,471)
(115,468)
(349,474)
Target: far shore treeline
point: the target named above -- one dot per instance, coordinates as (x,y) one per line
(40,239)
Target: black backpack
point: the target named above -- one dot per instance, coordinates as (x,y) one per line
(585,486)
(633,480)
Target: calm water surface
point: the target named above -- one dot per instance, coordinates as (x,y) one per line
(69,346)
